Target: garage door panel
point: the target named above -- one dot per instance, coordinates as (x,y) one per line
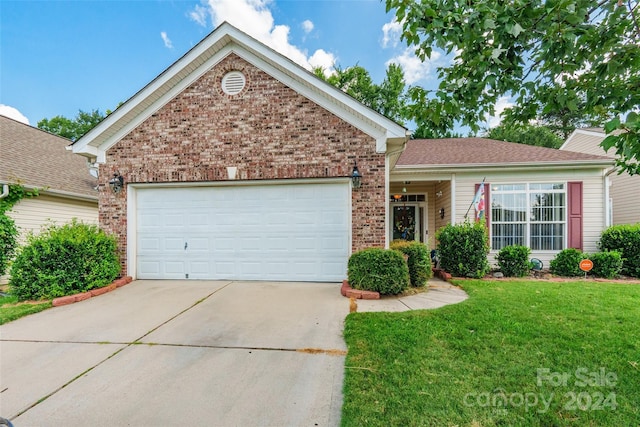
(269,232)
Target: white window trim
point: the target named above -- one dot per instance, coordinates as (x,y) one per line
(528,222)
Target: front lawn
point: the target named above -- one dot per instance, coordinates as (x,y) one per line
(525,353)
(11,309)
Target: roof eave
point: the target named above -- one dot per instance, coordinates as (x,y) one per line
(59,193)
(221,42)
(583,164)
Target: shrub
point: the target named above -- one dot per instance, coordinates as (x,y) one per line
(8,241)
(419,262)
(63,260)
(463,249)
(626,240)
(606,264)
(567,263)
(514,261)
(380,270)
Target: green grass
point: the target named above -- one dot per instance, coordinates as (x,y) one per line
(455,366)
(11,309)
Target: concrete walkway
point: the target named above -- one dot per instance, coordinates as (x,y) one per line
(439,294)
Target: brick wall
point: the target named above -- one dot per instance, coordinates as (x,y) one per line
(267,131)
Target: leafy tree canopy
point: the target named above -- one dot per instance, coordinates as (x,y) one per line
(393,99)
(562,57)
(74,128)
(525,134)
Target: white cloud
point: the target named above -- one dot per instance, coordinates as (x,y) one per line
(307,26)
(391,33)
(324,60)
(199,15)
(13,113)
(254,18)
(166,40)
(502,104)
(414,68)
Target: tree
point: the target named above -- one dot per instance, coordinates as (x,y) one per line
(553,57)
(525,134)
(72,129)
(387,98)
(393,99)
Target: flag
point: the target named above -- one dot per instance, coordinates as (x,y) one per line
(478,202)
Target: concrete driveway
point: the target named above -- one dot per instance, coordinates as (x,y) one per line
(180,353)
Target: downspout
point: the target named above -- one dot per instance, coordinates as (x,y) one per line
(5,191)
(608,215)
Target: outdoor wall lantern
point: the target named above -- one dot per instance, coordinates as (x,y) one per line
(116,183)
(356,178)
(441,213)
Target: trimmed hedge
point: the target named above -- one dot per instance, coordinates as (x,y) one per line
(514,261)
(379,270)
(567,263)
(419,262)
(606,264)
(626,240)
(463,249)
(64,260)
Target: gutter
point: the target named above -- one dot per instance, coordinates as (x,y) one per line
(61,193)
(503,166)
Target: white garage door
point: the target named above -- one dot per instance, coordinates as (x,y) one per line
(294,232)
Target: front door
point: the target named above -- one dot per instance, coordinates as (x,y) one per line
(406,222)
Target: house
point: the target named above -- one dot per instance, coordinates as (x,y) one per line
(236,163)
(542,198)
(623,206)
(38,159)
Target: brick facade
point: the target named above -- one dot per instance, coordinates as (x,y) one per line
(268,131)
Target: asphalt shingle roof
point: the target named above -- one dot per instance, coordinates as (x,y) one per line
(482,151)
(37,158)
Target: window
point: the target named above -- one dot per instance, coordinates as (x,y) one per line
(532,215)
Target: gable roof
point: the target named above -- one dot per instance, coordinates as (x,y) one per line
(224,40)
(36,158)
(483,152)
(587,140)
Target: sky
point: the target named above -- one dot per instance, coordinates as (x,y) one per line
(58,56)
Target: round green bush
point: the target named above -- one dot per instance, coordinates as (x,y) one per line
(567,263)
(463,249)
(63,260)
(513,260)
(379,270)
(419,262)
(626,240)
(606,264)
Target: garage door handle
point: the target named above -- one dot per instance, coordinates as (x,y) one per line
(185,246)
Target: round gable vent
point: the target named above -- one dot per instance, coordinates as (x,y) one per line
(233,82)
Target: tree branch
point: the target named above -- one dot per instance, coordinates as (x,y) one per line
(632,12)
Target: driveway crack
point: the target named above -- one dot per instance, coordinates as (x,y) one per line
(125,345)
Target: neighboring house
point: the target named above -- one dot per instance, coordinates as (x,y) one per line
(38,159)
(237,163)
(624,205)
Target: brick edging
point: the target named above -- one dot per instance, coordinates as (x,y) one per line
(438,272)
(70,299)
(349,292)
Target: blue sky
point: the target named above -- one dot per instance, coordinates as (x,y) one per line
(57,57)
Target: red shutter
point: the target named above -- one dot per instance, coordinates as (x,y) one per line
(574,215)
